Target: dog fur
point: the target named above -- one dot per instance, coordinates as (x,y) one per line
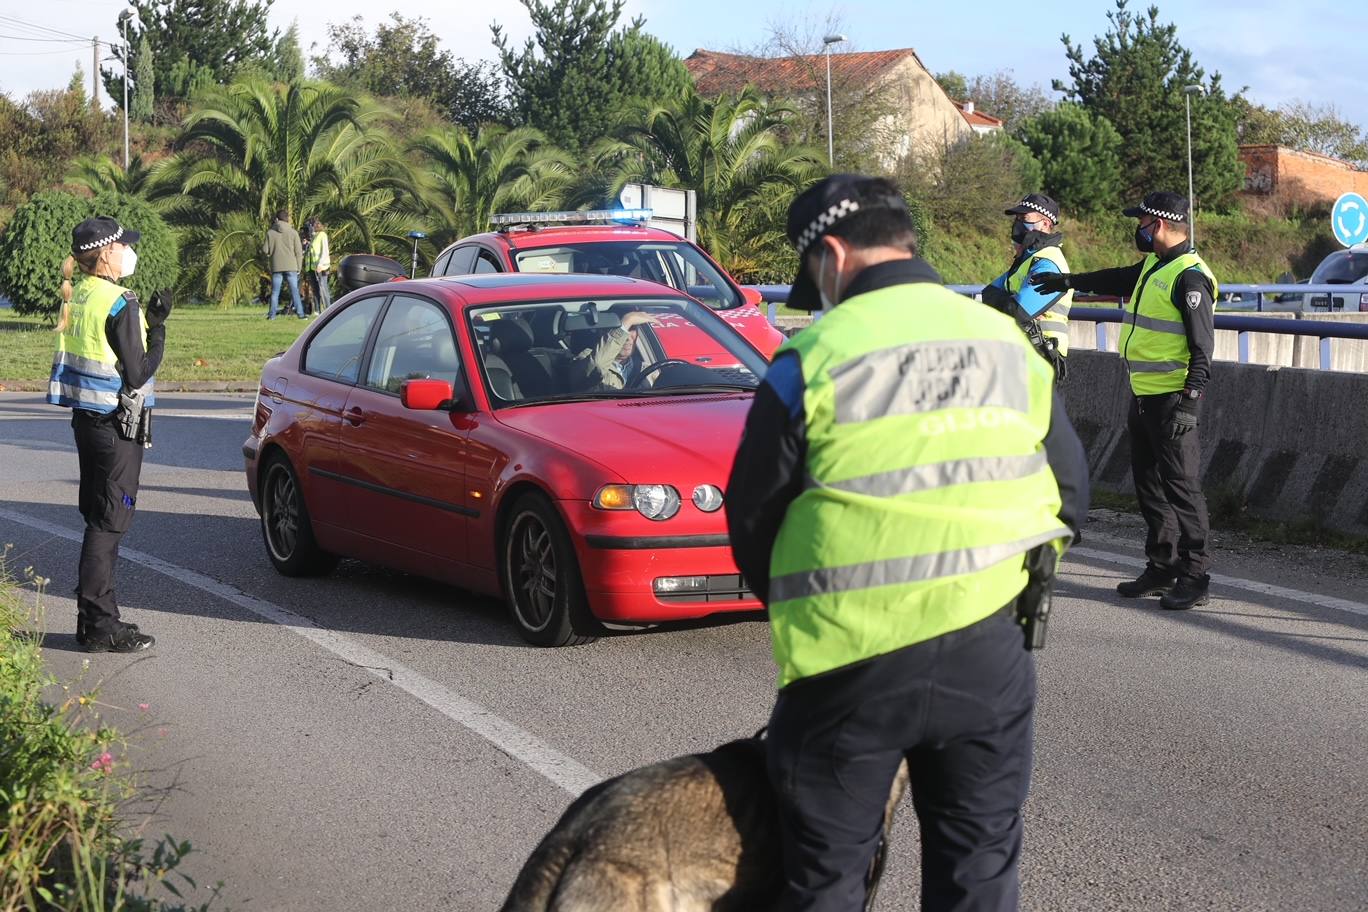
(697,833)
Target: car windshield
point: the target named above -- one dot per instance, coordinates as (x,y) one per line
(680,265)
(1342,268)
(608,349)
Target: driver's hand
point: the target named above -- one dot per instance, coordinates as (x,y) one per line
(637,318)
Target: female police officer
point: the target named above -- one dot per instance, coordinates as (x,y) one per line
(107,353)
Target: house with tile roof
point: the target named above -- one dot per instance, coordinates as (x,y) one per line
(921,116)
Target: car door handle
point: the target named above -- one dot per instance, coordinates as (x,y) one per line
(355,417)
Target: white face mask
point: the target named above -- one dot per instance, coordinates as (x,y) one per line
(130,262)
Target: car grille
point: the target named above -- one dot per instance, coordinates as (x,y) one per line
(722,588)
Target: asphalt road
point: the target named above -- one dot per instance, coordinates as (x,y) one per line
(374,741)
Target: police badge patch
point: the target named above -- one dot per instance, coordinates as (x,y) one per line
(1194,298)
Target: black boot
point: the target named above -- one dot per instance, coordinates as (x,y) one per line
(1152,582)
(1190,591)
(125,638)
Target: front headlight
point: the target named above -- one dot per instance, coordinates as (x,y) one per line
(708,498)
(656,501)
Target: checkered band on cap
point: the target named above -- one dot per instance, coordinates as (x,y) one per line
(1036,207)
(100,242)
(821,223)
(1163,214)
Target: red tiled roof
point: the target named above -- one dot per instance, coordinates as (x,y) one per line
(715,73)
(977,118)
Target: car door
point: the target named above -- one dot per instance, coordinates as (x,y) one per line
(462,261)
(330,365)
(406,467)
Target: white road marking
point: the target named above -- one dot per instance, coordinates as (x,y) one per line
(508,738)
(1232,582)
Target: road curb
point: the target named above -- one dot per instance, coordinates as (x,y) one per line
(163,386)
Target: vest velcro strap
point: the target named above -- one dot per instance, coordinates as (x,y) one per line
(899,570)
(1154,324)
(1156,367)
(929,376)
(941,475)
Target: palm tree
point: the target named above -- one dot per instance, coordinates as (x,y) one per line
(252,148)
(737,153)
(471,176)
(101,174)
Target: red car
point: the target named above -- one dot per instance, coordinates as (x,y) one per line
(467,429)
(537,243)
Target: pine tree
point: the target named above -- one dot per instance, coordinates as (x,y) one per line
(140,103)
(289,58)
(1080,156)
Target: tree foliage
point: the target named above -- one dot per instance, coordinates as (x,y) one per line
(1000,95)
(955,84)
(1080,157)
(579,73)
(196,41)
(41,135)
(1135,78)
(255,147)
(140,104)
(38,239)
(1303,126)
(404,58)
(966,183)
(98,174)
(289,59)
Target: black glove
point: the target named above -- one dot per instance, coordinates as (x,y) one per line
(1181,420)
(159,308)
(1052,282)
(998,299)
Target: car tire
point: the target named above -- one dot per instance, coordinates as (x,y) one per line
(285,524)
(541,577)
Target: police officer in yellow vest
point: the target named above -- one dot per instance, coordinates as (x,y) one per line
(107,353)
(1044,317)
(901,460)
(1167,339)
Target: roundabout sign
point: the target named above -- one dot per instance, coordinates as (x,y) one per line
(1349,219)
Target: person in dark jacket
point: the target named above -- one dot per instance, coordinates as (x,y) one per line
(285,251)
(1167,339)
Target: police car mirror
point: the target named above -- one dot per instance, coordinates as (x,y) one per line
(752,296)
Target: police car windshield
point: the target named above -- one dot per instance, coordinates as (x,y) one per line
(679,265)
(574,350)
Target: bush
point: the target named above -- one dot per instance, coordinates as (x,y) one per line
(1080,155)
(38,239)
(965,185)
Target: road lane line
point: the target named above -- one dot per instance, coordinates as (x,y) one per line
(508,738)
(1231,582)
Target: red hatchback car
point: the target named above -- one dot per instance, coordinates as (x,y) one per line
(536,243)
(495,433)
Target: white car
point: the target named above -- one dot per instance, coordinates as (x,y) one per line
(1343,267)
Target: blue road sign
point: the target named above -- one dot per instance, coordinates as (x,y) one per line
(1349,219)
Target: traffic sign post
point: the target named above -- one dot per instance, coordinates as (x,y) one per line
(1349,219)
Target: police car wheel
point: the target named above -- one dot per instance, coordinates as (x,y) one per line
(285,524)
(541,577)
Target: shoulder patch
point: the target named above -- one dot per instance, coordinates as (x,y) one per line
(1194,300)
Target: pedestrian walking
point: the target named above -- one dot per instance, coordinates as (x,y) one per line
(1036,245)
(286,254)
(317,262)
(904,462)
(108,351)
(1167,339)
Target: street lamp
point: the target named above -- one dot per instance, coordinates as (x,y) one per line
(1188,92)
(416,236)
(828,41)
(123,29)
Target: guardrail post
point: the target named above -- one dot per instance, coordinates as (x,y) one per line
(1102,337)
(1325,359)
(773,313)
(1243,343)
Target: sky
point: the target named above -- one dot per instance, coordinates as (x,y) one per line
(1313,54)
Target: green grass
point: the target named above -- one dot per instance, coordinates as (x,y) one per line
(201,344)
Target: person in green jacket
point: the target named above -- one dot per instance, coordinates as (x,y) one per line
(317,262)
(286,254)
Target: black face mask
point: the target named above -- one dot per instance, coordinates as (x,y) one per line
(1026,235)
(1144,239)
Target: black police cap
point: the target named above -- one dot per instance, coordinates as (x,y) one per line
(1036,202)
(1171,207)
(99,231)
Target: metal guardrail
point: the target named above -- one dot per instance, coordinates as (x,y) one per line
(1322,330)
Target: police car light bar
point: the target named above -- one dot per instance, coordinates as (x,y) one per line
(572,217)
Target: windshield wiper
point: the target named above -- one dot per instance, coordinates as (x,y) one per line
(578,397)
(702,388)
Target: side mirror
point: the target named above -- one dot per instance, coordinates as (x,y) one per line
(752,296)
(425,395)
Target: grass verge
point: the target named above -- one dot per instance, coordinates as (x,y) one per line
(201,344)
(62,843)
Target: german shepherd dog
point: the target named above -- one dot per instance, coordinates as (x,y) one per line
(698,833)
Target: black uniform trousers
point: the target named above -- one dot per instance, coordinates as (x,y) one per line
(1168,486)
(110,468)
(959,708)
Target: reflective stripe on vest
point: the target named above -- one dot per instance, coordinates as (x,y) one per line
(926,477)
(85,369)
(1153,338)
(1054,321)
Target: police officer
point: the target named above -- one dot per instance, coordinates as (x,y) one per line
(1167,340)
(107,352)
(1044,317)
(901,458)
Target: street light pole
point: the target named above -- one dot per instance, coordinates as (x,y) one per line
(1188,92)
(123,28)
(828,41)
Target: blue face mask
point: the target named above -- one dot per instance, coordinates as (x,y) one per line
(1144,239)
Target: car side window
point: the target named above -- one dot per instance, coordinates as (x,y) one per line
(414,343)
(439,268)
(462,261)
(335,352)
(485,262)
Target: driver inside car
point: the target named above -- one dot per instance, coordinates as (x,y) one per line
(614,361)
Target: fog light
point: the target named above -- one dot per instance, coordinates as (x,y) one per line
(707,498)
(669,584)
(656,501)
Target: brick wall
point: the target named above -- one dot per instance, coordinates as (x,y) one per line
(1270,168)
